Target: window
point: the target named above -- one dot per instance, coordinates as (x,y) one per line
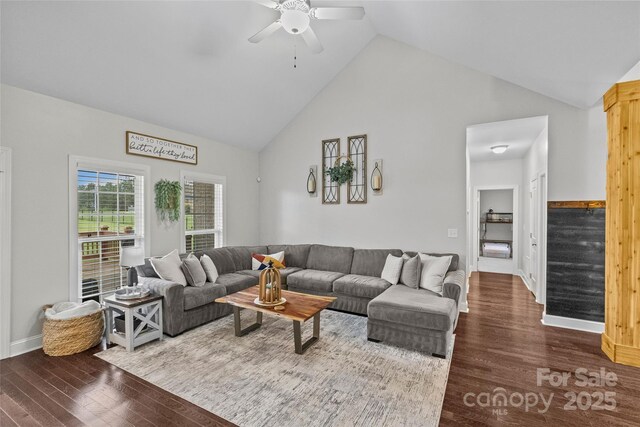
(109,214)
(203,212)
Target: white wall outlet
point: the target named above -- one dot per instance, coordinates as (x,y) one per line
(452,233)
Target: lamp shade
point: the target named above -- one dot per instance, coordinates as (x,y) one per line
(130,256)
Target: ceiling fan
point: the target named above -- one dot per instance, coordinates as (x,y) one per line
(295,16)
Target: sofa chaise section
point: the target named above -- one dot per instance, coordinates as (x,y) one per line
(416,318)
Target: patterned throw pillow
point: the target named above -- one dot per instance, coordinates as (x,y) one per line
(260,261)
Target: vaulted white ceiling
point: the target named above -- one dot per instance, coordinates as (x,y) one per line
(519,135)
(188,65)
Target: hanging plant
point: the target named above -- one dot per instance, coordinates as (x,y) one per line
(341,173)
(167,200)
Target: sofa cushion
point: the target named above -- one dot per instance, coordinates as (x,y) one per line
(315,280)
(294,255)
(360,286)
(330,258)
(370,262)
(284,273)
(454,258)
(413,307)
(222,259)
(202,295)
(234,282)
(241,255)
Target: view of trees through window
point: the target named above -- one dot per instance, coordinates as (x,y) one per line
(106,202)
(106,222)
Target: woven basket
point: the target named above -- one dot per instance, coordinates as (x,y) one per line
(71,336)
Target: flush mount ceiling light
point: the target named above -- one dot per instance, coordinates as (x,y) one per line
(499,149)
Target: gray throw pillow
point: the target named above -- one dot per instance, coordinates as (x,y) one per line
(193,271)
(411,271)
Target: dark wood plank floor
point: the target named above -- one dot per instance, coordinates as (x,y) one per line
(36,389)
(500,343)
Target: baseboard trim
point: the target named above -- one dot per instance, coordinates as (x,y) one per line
(523,276)
(575,324)
(25,345)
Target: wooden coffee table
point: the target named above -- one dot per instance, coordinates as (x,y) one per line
(299,308)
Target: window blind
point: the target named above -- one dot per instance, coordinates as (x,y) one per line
(110,216)
(203,214)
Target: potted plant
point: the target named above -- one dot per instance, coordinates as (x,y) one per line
(167,200)
(341,173)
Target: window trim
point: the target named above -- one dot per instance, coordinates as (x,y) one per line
(76,162)
(211,179)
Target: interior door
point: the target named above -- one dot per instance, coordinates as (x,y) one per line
(534,235)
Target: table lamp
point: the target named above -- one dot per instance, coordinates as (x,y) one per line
(131,256)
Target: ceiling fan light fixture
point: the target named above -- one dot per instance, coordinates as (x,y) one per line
(499,149)
(294,21)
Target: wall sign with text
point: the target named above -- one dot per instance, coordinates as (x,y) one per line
(150,146)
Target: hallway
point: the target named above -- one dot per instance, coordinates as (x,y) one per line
(501,343)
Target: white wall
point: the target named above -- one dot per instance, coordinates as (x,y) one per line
(534,164)
(42,132)
(415,108)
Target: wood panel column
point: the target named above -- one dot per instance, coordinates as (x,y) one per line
(621,338)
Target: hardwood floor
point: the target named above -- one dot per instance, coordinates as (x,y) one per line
(36,389)
(500,343)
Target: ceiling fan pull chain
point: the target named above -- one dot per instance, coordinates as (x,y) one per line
(295,55)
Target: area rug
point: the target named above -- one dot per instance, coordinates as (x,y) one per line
(258,380)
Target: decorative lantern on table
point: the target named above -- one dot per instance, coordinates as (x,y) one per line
(270,284)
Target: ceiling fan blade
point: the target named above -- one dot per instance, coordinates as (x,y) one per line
(268,3)
(266,32)
(312,41)
(337,12)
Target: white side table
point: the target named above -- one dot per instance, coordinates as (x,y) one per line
(147,310)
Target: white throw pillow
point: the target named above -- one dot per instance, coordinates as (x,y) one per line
(255,264)
(434,268)
(209,268)
(169,268)
(392,269)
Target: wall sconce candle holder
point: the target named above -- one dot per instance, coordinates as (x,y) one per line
(376,177)
(312,181)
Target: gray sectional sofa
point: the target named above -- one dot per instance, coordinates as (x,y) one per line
(399,315)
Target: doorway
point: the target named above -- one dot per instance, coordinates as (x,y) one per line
(508,155)
(5,252)
(496,219)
